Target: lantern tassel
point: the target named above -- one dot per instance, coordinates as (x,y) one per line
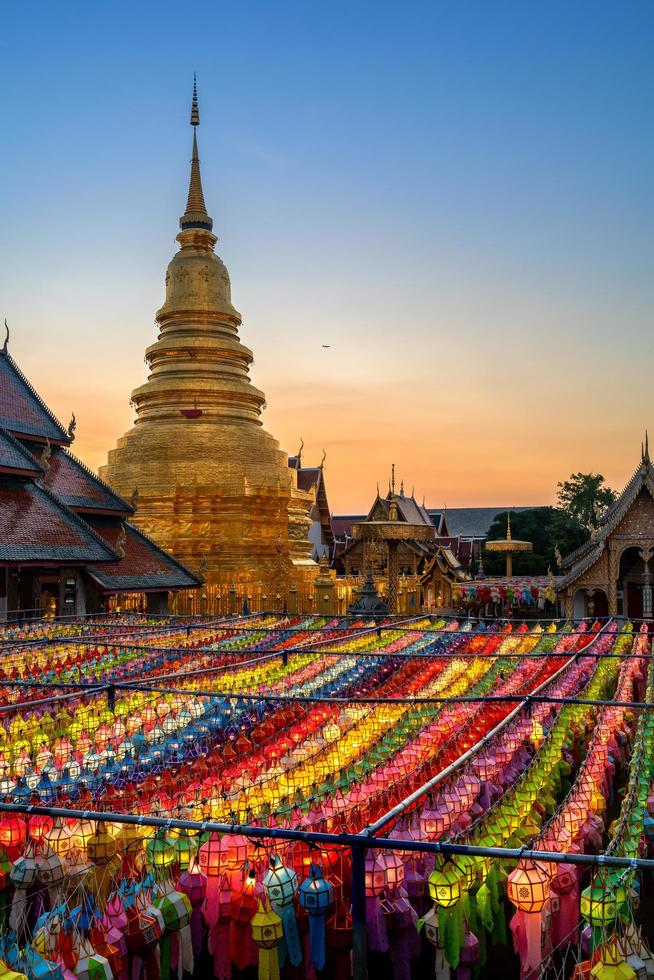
(291,935)
(318,952)
(268,964)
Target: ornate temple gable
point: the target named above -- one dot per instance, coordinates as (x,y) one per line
(596,575)
(627,523)
(378,511)
(638,522)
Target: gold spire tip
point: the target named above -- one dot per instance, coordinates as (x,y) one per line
(195,110)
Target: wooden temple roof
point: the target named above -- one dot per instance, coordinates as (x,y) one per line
(144,566)
(36,527)
(15,459)
(22,411)
(584,557)
(55,511)
(79,488)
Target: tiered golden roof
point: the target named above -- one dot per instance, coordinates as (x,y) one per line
(213,486)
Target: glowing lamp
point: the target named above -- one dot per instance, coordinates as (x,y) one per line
(160,851)
(60,838)
(316,894)
(528,887)
(445,886)
(280,883)
(267,929)
(13,831)
(601,902)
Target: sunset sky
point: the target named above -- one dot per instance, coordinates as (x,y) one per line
(456,197)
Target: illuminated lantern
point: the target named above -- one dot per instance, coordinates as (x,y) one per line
(528,887)
(38,826)
(612,965)
(434,821)
(316,895)
(82,832)
(601,902)
(280,884)
(375,875)
(445,886)
(160,851)
(13,832)
(193,883)
(185,849)
(267,931)
(60,838)
(101,851)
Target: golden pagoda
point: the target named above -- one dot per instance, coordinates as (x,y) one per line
(213,486)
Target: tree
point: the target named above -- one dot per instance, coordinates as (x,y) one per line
(549,530)
(584,497)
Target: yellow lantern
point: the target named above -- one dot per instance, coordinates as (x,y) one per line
(445,886)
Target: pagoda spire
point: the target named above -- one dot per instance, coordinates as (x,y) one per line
(195,215)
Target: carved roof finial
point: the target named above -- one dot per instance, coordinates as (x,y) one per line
(392,477)
(72,425)
(299,452)
(135,498)
(646,449)
(119,547)
(324,457)
(5,346)
(508,525)
(46,453)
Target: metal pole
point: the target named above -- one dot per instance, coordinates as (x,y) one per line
(338,840)
(359,928)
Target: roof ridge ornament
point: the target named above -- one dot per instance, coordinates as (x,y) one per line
(72,425)
(645,450)
(5,346)
(46,453)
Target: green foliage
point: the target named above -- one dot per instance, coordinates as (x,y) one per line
(548,529)
(584,497)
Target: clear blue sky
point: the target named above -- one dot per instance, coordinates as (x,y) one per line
(456,196)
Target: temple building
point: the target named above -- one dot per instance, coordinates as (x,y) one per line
(214,488)
(312,480)
(610,574)
(67,545)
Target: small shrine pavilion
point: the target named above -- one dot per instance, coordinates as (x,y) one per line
(610,575)
(66,541)
(395,538)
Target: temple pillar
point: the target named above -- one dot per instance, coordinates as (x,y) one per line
(612,589)
(392,572)
(569,604)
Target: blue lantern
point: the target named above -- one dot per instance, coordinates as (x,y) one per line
(316,895)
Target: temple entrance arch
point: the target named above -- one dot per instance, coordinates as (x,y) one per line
(634,582)
(590,603)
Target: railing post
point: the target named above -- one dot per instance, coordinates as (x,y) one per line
(359,931)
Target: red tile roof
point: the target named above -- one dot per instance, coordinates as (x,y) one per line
(22,411)
(34,526)
(144,567)
(79,488)
(15,459)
